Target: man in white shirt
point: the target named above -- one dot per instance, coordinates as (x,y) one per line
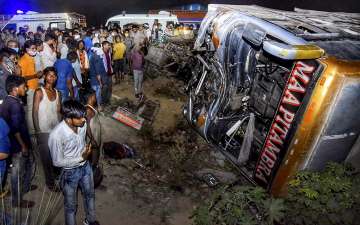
(69,151)
(48,55)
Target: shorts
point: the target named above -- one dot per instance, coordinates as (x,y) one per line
(119,65)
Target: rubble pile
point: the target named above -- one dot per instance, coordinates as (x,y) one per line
(178,158)
(172,155)
(168,58)
(172,90)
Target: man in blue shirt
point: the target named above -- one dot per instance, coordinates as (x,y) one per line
(65,74)
(88,41)
(4,148)
(12,111)
(4,153)
(96,73)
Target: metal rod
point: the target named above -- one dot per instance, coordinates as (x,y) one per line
(19,194)
(203,61)
(53,205)
(199,86)
(27,214)
(46,208)
(40,206)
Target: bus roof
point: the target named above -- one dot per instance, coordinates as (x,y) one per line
(39,16)
(44,16)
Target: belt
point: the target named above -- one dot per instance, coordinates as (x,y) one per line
(78,166)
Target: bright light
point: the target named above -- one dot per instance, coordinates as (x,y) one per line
(19,11)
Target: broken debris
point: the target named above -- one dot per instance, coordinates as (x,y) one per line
(125,116)
(223,176)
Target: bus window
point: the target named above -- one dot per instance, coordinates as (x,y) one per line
(58,25)
(114,23)
(10,26)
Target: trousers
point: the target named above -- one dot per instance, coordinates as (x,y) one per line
(72,179)
(138,80)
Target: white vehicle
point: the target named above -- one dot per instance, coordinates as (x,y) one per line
(32,20)
(123,19)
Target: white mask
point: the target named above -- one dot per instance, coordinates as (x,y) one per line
(15,49)
(31,52)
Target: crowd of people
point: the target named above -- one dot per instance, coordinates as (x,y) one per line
(53,84)
(81,57)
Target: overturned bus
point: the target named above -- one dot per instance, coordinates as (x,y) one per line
(275,91)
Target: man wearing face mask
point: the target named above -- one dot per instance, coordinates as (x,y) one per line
(28,71)
(77,36)
(13,45)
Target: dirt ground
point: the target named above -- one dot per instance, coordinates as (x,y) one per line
(159,187)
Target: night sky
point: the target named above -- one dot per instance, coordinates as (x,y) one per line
(97,11)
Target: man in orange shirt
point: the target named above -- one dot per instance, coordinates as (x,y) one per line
(27,65)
